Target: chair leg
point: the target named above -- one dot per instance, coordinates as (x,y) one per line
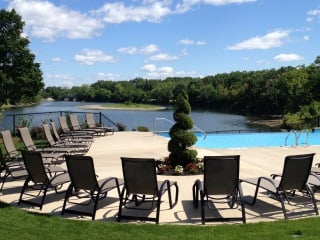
(243,210)
(195,195)
(283,205)
(172,204)
(68,194)
(25,185)
(202,203)
(311,194)
(121,204)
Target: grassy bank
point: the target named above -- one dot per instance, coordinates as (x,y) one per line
(19,224)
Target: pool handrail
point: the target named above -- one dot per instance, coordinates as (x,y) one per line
(297,135)
(172,122)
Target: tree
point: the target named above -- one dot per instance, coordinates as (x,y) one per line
(181,136)
(20,76)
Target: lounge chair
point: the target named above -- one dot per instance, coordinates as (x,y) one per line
(294,177)
(10,169)
(93,125)
(77,127)
(142,191)
(85,185)
(78,147)
(15,158)
(66,130)
(31,146)
(12,154)
(40,179)
(69,138)
(220,185)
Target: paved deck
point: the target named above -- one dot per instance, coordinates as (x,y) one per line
(107,151)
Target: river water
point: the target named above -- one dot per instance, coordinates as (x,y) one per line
(131,119)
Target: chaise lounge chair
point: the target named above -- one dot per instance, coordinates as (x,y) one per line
(12,154)
(220,185)
(84,185)
(294,177)
(77,127)
(15,157)
(67,131)
(40,179)
(93,125)
(69,138)
(31,146)
(142,191)
(10,169)
(78,147)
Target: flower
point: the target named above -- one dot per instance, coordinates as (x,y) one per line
(178,170)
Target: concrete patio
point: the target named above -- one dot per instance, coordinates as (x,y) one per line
(107,151)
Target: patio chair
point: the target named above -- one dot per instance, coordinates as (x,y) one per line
(142,190)
(77,127)
(12,154)
(220,185)
(93,125)
(10,169)
(78,147)
(40,179)
(85,185)
(15,157)
(67,131)
(294,177)
(31,146)
(69,137)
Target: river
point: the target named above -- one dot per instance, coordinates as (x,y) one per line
(154,120)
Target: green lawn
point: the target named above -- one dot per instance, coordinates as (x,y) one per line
(19,224)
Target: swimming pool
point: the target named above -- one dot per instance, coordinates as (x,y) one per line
(261,139)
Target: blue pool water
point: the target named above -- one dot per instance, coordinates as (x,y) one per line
(261,139)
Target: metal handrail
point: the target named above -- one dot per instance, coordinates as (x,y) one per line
(286,140)
(172,122)
(307,136)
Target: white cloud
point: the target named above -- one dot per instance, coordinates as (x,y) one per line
(128,50)
(108,76)
(149,49)
(117,12)
(191,42)
(162,57)
(284,57)
(270,40)
(45,20)
(56,59)
(149,68)
(146,50)
(186,5)
(90,57)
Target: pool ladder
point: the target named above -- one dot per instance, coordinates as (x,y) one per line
(297,135)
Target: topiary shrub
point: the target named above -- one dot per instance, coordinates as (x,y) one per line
(181,136)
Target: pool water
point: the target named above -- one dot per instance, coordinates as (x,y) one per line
(261,139)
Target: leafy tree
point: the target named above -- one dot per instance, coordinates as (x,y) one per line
(182,138)
(20,76)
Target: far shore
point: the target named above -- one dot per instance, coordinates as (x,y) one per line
(100,107)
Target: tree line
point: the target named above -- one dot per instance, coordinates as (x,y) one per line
(291,92)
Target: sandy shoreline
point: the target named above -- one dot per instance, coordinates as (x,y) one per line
(100,107)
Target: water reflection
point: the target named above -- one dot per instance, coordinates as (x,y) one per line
(205,120)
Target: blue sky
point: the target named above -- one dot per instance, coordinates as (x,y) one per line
(80,41)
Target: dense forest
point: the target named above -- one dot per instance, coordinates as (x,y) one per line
(290,92)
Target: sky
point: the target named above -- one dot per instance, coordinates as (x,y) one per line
(82,41)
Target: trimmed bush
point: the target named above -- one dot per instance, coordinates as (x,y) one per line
(182,138)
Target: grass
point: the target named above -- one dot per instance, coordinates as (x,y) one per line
(16,223)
